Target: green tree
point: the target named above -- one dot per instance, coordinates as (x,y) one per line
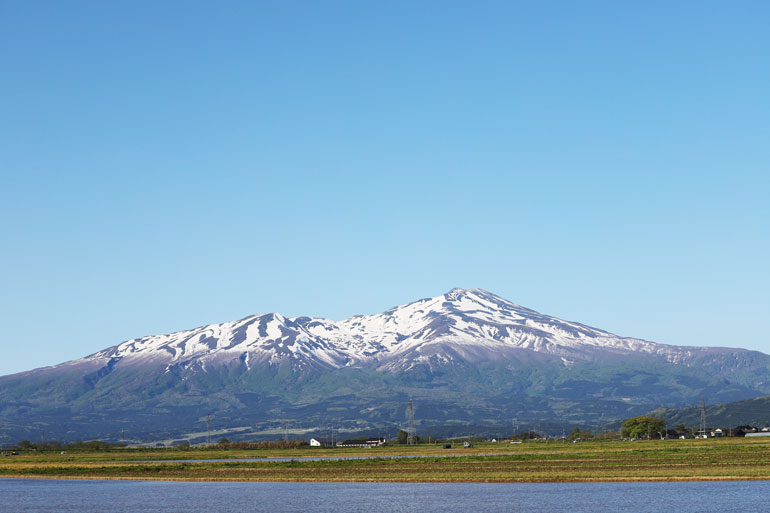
(643,427)
(577,434)
(402,436)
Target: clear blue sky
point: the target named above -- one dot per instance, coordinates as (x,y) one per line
(172,164)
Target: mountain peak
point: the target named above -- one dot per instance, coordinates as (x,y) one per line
(455,293)
(459,293)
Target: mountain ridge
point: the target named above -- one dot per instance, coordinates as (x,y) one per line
(467,357)
(363,338)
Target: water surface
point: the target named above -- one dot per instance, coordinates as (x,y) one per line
(83,496)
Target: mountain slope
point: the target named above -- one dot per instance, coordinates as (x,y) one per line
(750,412)
(465,356)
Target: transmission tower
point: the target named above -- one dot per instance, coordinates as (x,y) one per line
(702,430)
(286,431)
(411,431)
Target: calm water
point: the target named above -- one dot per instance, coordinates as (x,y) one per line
(44,495)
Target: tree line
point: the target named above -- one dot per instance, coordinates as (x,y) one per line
(80,446)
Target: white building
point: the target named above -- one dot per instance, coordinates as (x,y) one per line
(321,442)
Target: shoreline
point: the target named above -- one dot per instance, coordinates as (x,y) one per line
(396,481)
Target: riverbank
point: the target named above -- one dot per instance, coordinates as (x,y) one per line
(607,461)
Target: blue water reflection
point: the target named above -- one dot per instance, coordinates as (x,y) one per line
(45,495)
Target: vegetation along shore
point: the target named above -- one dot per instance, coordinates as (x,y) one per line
(532,461)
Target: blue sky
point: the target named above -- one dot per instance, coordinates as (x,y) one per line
(172,164)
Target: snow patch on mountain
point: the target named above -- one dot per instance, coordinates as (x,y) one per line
(471,322)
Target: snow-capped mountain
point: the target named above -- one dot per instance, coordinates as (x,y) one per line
(467,356)
(469,323)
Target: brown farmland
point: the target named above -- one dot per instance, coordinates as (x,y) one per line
(667,460)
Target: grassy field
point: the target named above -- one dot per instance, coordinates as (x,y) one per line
(668,460)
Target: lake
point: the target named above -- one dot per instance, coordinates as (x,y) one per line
(82,496)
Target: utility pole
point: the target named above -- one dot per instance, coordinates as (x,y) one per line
(702,431)
(411,431)
(208,429)
(42,437)
(122,434)
(286,432)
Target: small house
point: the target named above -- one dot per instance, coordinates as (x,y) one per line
(321,442)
